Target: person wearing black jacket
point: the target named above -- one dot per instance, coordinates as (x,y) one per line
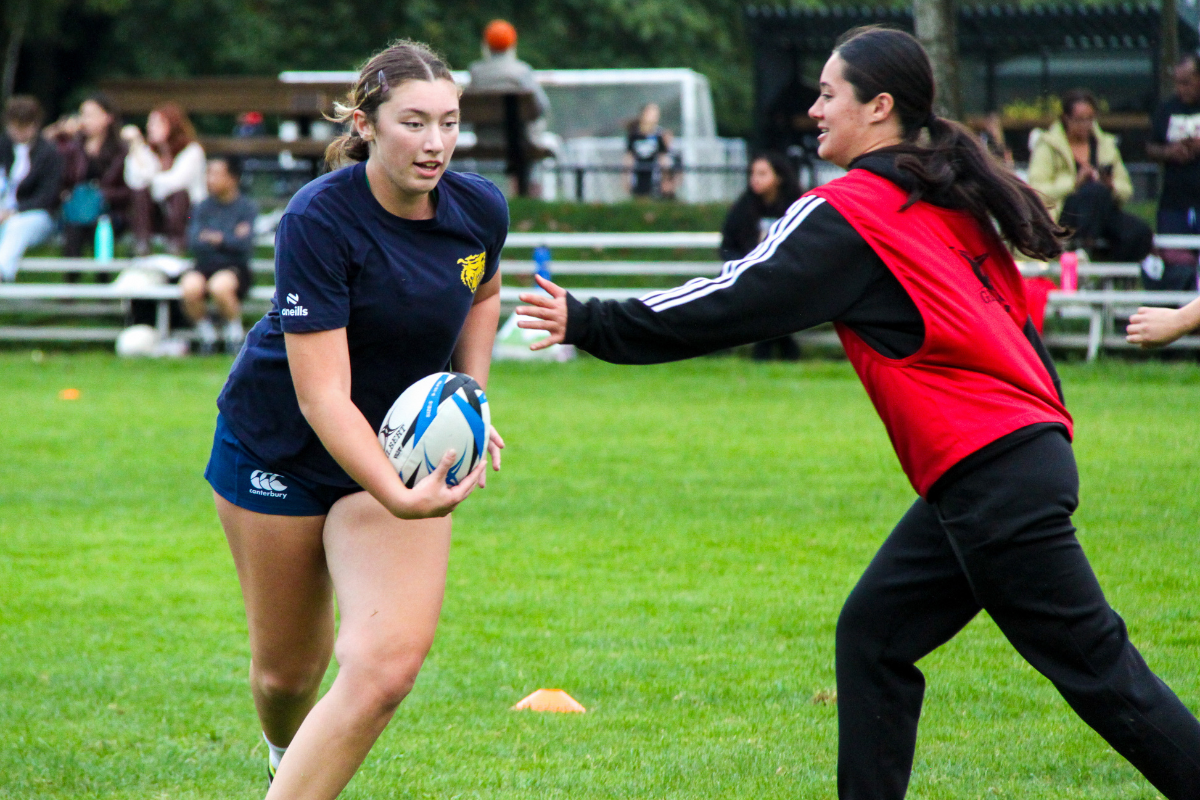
(1175,142)
(94,166)
(32,179)
(906,253)
(772,189)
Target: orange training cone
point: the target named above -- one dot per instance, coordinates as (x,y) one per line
(550,700)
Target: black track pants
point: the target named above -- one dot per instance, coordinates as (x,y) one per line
(999,538)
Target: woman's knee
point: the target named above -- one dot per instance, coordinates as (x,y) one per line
(297,679)
(224,284)
(855,624)
(192,286)
(383,674)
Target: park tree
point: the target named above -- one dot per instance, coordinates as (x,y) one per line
(935,22)
(97,39)
(1169,54)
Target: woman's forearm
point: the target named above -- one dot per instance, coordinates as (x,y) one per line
(141,165)
(348,437)
(320,367)
(473,353)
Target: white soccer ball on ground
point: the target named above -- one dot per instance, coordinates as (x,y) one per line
(137,341)
(440,412)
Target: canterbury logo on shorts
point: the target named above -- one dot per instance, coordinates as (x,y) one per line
(267,484)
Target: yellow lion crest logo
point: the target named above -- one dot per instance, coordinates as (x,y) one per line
(472,270)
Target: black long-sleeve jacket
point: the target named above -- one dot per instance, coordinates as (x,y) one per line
(812,268)
(40,188)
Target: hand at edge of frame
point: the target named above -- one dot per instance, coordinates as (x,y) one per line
(1154,327)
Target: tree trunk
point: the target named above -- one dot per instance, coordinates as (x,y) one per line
(12,51)
(936,28)
(1168,48)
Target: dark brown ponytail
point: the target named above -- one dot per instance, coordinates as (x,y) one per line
(403,60)
(943,157)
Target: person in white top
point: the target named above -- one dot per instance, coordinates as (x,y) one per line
(166,171)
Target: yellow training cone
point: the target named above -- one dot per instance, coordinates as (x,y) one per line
(550,700)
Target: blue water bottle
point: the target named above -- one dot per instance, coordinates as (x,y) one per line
(104,239)
(541,261)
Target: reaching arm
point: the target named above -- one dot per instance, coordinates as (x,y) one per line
(320,367)
(807,271)
(1155,327)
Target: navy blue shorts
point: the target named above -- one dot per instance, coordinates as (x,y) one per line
(241,478)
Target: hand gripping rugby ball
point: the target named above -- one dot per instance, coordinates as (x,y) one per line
(444,411)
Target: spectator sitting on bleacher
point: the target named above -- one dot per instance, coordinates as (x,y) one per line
(1079,170)
(166,172)
(1175,141)
(93,175)
(221,237)
(32,177)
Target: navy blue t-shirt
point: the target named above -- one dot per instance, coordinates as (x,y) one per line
(401,288)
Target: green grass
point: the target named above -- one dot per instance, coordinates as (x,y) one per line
(669,544)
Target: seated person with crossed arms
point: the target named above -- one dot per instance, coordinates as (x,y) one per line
(221,238)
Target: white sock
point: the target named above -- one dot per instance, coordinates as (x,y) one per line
(275,753)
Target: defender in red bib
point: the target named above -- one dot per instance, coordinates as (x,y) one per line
(904,256)
(976,378)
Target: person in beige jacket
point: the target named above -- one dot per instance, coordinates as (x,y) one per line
(1078,169)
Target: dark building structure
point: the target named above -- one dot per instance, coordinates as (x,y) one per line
(1007,54)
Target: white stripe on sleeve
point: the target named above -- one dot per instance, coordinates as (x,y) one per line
(702,287)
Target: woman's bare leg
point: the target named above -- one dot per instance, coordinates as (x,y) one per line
(289,609)
(389,576)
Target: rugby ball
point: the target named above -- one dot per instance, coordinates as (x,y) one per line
(444,411)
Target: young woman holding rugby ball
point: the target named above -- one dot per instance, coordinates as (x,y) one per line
(902,253)
(386,270)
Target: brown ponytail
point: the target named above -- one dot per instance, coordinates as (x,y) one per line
(950,162)
(403,60)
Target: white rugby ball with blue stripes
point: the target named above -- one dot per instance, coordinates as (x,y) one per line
(444,411)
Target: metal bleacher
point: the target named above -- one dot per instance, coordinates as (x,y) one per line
(95,311)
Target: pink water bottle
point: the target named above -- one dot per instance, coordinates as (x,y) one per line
(1069,271)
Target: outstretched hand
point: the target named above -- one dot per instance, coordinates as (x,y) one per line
(546,313)
(1155,327)
(432,497)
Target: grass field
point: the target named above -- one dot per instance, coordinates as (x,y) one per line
(669,544)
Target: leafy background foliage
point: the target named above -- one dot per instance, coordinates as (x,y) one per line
(73,44)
